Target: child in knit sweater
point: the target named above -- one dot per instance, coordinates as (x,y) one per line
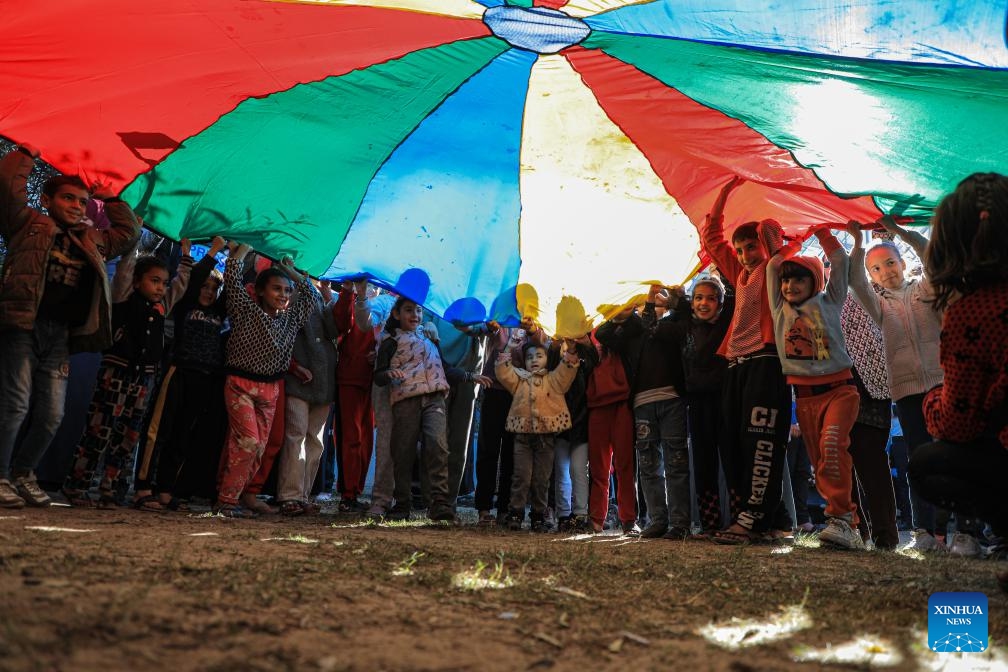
(258,355)
(538,413)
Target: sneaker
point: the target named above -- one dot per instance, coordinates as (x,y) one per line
(840,534)
(565,524)
(676,533)
(922,541)
(9,497)
(514,521)
(28,488)
(541,526)
(964,545)
(441,514)
(398,513)
(350,506)
(486,519)
(653,531)
(582,525)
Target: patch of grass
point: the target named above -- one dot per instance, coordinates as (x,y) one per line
(405,567)
(473,579)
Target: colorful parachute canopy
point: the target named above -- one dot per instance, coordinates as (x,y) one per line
(490,159)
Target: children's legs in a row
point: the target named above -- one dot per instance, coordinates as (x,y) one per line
(34,366)
(304,425)
(610,444)
(757,411)
(911,417)
(663,461)
(251,406)
(826,420)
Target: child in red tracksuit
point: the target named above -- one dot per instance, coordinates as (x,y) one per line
(814,357)
(354,377)
(611,442)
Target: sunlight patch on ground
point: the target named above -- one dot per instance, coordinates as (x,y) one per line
(296,538)
(474,579)
(738,633)
(807,540)
(781,550)
(46,528)
(204,534)
(863,651)
(911,553)
(11,517)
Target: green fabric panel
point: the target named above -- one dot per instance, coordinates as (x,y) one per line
(905,134)
(519,3)
(286,173)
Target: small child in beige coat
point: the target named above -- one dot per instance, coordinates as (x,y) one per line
(538,413)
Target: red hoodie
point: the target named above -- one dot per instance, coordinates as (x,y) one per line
(354,366)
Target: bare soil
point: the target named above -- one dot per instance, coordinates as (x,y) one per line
(127,590)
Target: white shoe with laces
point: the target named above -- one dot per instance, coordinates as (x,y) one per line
(840,534)
(28,489)
(964,545)
(9,497)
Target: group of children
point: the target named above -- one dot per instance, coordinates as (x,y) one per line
(709,379)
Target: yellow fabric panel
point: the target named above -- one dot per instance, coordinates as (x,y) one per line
(597,224)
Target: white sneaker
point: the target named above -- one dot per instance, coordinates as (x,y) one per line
(964,545)
(28,489)
(839,533)
(922,541)
(9,498)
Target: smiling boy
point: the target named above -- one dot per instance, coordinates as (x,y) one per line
(806,312)
(54,301)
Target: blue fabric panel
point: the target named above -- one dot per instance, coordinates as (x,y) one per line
(954,32)
(467,153)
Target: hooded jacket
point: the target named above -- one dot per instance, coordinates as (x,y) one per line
(810,340)
(538,405)
(30,235)
(911,327)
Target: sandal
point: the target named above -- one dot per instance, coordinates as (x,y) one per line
(732,537)
(175,504)
(148,503)
(292,507)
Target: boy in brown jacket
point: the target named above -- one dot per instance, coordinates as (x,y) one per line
(54,301)
(538,413)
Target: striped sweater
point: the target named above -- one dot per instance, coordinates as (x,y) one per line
(260,344)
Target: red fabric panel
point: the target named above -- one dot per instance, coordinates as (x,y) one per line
(109,88)
(552,4)
(695,150)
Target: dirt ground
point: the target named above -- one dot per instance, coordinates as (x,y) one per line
(125,590)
